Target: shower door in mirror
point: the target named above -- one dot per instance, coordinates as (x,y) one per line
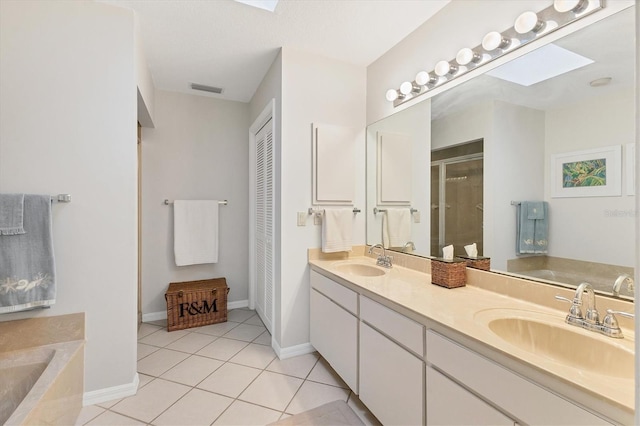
(456,202)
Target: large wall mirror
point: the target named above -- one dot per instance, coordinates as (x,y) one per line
(511,139)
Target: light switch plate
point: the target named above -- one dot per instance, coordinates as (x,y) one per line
(317,219)
(302,218)
(416,217)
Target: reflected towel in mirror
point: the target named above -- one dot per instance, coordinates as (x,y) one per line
(396,227)
(532,226)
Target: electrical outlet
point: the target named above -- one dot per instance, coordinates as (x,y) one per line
(416,217)
(302,218)
(317,219)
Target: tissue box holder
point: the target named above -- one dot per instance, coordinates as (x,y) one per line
(448,273)
(196,303)
(479,262)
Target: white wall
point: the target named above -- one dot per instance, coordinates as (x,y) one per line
(578,128)
(313,89)
(197,150)
(415,122)
(514,161)
(68,125)
(513,165)
(144,80)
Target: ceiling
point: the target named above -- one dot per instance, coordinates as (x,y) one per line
(227,44)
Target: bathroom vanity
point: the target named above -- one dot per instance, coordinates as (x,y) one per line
(416,353)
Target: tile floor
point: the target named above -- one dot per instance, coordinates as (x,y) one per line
(221,374)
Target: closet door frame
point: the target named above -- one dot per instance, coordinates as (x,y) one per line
(267,114)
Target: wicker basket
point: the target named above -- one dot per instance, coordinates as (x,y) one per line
(196,303)
(448,273)
(479,262)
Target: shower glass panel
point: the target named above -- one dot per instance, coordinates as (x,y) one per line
(457,198)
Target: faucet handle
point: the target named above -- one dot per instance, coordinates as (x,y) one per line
(575,311)
(624,314)
(610,323)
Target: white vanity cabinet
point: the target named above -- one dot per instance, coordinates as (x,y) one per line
(334,326)
(391,365)
(463,373)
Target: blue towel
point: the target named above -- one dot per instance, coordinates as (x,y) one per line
(27,268)
(532,226)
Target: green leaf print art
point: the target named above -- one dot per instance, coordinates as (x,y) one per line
(584,173)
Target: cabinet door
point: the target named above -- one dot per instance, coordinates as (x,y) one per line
(391,380)
(334,333)
(450,404)
(525,400)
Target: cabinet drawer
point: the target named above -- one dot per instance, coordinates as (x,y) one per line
(344,297)
(522,399)
(398,327)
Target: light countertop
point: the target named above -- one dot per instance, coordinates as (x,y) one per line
(467,311)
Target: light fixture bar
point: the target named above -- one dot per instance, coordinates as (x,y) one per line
(496,45)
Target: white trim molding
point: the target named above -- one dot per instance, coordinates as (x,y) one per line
(291,351)
(109,394)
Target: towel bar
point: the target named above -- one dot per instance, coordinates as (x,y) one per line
(377,210)
(61,198)
(321,211)
(223,202)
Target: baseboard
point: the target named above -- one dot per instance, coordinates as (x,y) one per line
(162,315)
(109,394)
(238,304)
(154,316)
(291,351)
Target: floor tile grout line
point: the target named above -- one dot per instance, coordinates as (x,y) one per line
(223,362)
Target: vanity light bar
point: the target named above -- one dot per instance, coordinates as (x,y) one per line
(528,26)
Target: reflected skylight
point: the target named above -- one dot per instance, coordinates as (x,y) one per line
(541,64)
(269,5)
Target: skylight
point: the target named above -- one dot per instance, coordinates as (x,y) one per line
(541,64)
(269,5)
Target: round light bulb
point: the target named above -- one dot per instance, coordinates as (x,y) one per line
(422,78)
(563,6)
(443,68)
(466,56)
(406,88)
(528,22)
(392,95)
(494,40)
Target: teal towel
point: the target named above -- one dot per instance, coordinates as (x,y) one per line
(532,228)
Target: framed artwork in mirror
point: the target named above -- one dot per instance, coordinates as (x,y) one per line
(589,173)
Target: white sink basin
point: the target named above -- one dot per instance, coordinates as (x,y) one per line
(549,337)
(360,269)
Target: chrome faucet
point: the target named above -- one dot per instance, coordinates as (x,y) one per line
(591,319)
(410,245)
(618,284)
(591,315)
(383,259)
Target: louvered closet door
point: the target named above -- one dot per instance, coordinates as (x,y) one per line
(264,224)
